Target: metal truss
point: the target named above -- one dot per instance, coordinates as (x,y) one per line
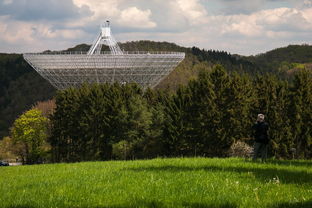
(71,69)
(105,38)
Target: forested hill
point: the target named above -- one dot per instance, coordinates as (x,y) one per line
(21,86)
(283,59)
(275,61)
(195,59)
(142,45)
(211,57)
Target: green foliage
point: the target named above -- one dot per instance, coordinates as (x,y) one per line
(7,149)
(209,114)
(142,45)
(30,132)
(12,67)
(89,120)
(286,67)
(230,62)
(272,60)
(272,99)
(20,88)
(146,45)
(121,150)
(203,118)
(176,125)
(177,182)
(301,113)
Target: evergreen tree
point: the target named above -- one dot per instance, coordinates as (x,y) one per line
(239,102)
(272,101)
(139,121)
(220,137)
(301,113)
(177,127)
(201,113)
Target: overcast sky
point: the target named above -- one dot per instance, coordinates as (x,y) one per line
(245,27)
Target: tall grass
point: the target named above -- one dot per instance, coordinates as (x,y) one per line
(181,182)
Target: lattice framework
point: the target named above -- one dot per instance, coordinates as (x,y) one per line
(71,69)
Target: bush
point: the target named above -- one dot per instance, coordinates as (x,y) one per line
(122,150)
(6,149)
(240,149)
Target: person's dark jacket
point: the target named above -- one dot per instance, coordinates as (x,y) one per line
(261,132)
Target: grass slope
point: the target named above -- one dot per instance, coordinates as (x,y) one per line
(184,182)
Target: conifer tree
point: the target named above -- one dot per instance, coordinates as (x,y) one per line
(176,126)
(139,121)
(301,111)
(220,136)
(238,109)
(272,101)
(201,113)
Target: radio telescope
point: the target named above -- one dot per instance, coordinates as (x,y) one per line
(71,69)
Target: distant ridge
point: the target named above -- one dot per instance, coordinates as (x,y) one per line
(275,59)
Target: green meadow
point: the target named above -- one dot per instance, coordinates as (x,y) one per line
(177,182)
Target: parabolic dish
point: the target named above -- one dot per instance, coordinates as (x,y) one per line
(71,69)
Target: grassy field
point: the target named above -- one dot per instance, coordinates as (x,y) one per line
(181,182)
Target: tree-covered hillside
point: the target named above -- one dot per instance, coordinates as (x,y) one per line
(20,88)
(283,58)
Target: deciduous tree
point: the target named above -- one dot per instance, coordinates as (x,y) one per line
(30,131)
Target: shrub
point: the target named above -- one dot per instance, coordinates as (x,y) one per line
(240,149)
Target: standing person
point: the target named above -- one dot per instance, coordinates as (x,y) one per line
(260,129)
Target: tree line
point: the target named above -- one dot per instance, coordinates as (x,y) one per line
(211,116)
(203,118)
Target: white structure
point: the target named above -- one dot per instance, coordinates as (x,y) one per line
(71,69)
(105,37)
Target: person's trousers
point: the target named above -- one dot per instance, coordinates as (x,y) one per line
(260,149)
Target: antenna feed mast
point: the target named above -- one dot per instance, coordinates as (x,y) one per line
(105,38)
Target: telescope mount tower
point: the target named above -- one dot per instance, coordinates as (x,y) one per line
(105,38)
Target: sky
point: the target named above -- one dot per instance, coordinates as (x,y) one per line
(246,27)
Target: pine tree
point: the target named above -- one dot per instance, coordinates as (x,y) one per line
(301,113)
(201,113)
(177,127)
(272,101)
(220,136)
(238,109)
